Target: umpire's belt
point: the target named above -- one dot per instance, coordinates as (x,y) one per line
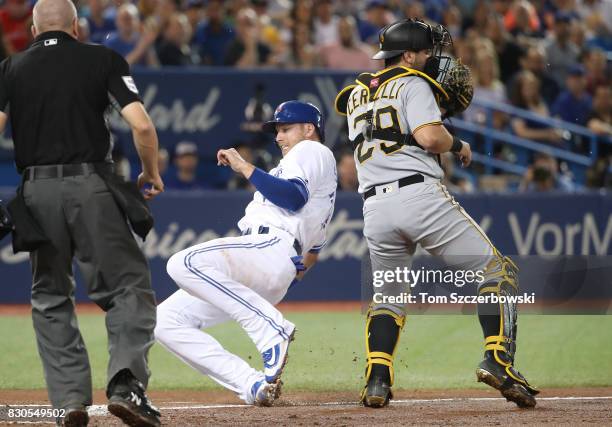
(265,230)
(402,182)
(60,171)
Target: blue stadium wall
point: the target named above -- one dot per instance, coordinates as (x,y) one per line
(540,224)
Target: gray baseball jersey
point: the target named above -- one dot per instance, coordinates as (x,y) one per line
(404,105)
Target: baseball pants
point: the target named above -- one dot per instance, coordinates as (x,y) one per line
(79,215)
(234,278)
(426,214)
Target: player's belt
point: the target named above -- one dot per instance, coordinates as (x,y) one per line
(402,182)
(265,230)
(60,171)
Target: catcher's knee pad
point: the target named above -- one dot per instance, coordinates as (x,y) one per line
(382,330)
(498,319)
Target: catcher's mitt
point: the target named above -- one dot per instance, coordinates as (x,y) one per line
(460,88)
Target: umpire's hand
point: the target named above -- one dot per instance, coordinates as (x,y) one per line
(157,185)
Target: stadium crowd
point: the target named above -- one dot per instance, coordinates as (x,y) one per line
(549,57)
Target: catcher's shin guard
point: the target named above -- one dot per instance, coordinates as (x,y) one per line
(499,325)
(382,329)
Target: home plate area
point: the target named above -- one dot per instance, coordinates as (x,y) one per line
(410,407)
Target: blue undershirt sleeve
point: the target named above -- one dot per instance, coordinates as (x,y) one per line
(290,194)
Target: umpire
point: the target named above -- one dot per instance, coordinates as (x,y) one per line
(58,92)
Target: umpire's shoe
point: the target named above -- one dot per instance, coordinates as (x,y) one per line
(76,416)
(512,385)
(275,359)
(376,393)
(128,401)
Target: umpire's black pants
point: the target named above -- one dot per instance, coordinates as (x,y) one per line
(80,217)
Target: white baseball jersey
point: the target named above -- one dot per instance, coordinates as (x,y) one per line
(404,105)
(242,278)
(314,165)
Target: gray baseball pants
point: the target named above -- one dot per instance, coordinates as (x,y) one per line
(82,220)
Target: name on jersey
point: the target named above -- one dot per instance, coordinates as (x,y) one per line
(388,90)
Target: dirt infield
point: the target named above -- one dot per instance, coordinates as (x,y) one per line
(411,407)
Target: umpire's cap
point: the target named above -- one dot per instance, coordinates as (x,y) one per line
(405,35)
(297,112)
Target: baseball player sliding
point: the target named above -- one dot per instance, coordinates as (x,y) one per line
(243,278)
(395,126)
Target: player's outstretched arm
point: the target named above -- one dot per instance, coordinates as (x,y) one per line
(287,194)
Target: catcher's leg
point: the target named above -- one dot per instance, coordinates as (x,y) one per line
(499,325)
(383,328)
(466,244)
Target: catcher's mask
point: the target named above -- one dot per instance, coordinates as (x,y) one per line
(297,112)
(415,35)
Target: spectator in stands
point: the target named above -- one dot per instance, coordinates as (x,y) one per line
(134,46)
(301,53)
(543,175)
(174,48)
(325,23)
(508,51)
(186,162)
(301,13)
(600,174)
(597,73)
(526,95)
(375,18)
(488,87)
(16,20)
(100,24)
(247,49)
(478,19)
(194,10)
(452,20)
(347,172)
(600,118)
(561,53)
(213,36)
(573,104)
(349,53)
(533,59)
(522,20)
(414,9)
(83,34)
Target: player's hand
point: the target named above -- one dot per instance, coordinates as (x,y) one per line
(234,160)
(465,155)
(157,185)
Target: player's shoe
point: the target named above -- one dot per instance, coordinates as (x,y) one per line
(512,385)
(376,393)
(127,400)
(275,359)
(264,394)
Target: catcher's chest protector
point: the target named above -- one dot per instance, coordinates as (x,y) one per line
(383,109)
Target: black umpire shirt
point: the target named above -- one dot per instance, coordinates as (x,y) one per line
(57,92)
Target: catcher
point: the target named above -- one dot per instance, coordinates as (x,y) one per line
(395,127)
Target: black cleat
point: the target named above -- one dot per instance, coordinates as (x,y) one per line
(377,393)
(74,417)
(128,401)
(512,385)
